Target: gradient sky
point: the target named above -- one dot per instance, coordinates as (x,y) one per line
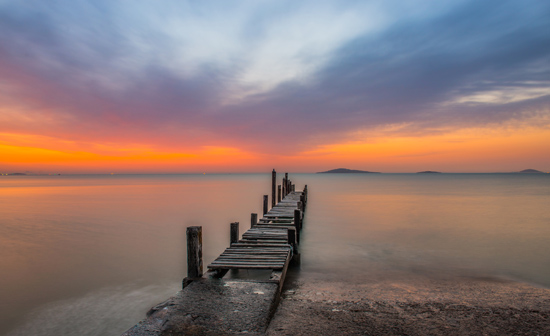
(242,86)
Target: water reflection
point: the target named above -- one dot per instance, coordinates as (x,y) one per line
(65,238)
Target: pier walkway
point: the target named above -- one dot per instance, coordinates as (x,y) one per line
(211,305)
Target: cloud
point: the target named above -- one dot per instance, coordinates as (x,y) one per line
(275,77)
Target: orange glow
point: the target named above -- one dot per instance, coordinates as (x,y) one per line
(469,150)
(29,152)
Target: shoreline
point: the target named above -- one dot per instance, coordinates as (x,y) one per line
(411,304)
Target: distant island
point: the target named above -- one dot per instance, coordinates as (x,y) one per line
(429,172)
(347,171)
(531,171)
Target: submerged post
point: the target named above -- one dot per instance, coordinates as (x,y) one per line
(194,252)
(273,187)
(234,233)
(253,219)
(265,204)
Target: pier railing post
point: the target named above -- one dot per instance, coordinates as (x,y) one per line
(253,219)
(273,187)
(292,240)
(194,252)
(265,204)
(298,220)
(234,233)
(279,194)
(286,184)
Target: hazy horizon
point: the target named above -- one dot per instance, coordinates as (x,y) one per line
(30,173)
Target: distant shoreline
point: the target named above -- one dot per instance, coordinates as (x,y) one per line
(333,171)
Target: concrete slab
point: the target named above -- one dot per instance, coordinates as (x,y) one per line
(213,307)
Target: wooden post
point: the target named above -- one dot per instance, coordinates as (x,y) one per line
(298,219)
(287,186)
(286,181)
(292,240)
(300,206)
(194,252)
(279,194)
(305,193)
(273,187)
(284,188)
(234,233)
(265,204)
(293,188)
(253,219)
(303,201)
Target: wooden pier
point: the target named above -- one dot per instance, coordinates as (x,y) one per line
(211,305)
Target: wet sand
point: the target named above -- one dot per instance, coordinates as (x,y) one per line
(409,304)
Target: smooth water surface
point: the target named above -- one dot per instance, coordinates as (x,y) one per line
(89,255)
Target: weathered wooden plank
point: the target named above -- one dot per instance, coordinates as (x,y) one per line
(245,267)
(251,255)
(258,253)
(266,236)
(250,260)
(247,244)
(267,253)
(246,263)
(277,248)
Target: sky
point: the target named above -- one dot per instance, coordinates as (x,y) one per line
(246,86)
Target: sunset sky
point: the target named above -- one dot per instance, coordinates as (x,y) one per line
(246,86)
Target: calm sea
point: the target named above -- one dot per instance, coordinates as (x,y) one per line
(89,255)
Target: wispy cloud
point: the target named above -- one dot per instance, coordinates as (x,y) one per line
(268,76)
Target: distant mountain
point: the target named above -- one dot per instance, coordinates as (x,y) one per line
(429,172)
(347,171)
(531,171)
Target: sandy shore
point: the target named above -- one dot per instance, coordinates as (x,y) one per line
(411,305)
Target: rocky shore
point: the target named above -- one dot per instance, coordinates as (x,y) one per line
(411,305)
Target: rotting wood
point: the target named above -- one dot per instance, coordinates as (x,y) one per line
(194,252)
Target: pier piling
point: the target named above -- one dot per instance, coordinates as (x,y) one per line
(194,252)
(273,187)
(265,204)
(234,233)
